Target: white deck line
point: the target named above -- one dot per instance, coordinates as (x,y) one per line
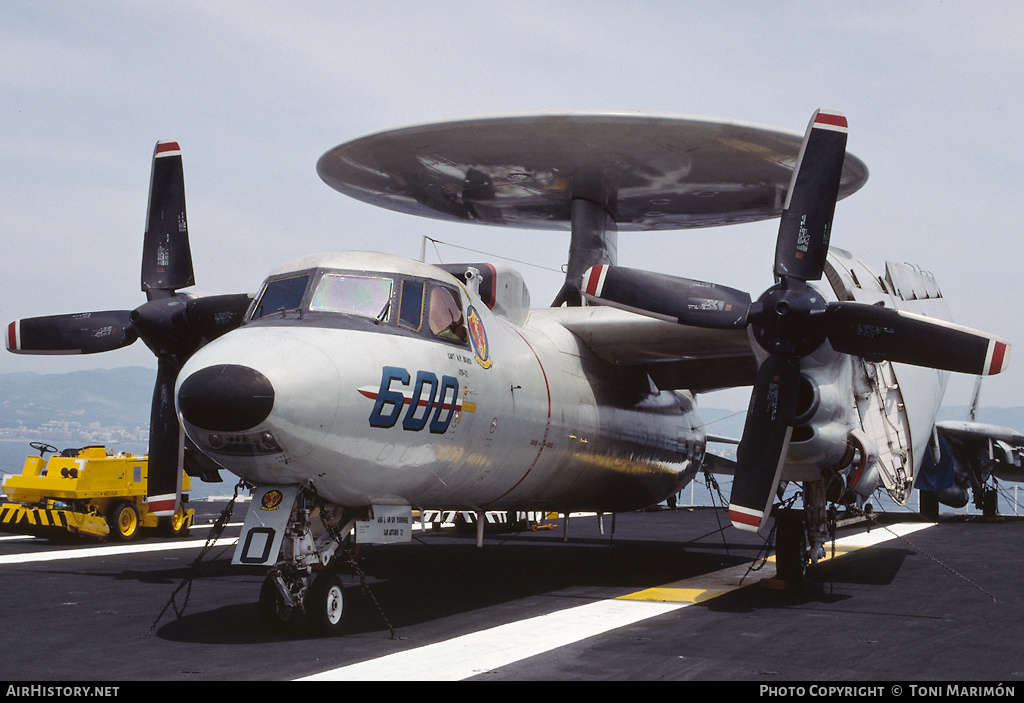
(109,550)
(480,652)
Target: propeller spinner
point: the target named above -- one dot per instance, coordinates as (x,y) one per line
(791,319)
(172,324)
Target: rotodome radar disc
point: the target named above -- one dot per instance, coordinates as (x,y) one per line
(647,172)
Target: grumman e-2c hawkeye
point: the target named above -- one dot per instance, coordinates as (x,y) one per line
(360,385)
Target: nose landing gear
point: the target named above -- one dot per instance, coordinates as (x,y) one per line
(317,598)
(302,586)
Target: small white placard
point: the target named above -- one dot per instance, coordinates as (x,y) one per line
(390,523)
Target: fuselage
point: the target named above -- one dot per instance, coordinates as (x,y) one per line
(383,380)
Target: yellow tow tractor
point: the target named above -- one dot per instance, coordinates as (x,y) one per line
(86,492)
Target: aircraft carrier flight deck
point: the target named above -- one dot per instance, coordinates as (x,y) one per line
(670,595)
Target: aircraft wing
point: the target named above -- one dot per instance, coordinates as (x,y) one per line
(676,356)
(1004,447)
(980,431)
(719,464)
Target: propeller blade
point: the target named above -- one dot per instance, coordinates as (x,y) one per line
(762,450)
(878,333)
(669,298)
(166,256)
(166,446)
(81,333)
(807,215)
(172,325)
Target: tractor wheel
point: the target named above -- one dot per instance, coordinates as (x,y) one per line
(175,525)
(123,520)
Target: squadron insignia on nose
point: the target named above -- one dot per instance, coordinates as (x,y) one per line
(479,337)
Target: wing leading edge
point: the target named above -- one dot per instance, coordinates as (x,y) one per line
(675,356)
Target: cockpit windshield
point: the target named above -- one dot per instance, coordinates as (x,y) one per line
(396,303)
(365,296)
(280,295)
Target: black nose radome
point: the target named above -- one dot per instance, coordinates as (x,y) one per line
(226,398)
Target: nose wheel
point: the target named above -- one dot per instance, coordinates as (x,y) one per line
(317,602)
(325,605)
(302,589)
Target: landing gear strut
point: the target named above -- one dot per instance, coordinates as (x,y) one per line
(302,586)
(801,535)
(318,598)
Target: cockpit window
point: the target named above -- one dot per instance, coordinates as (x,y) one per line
(398,304)
(279,295)
(410,313)
(446,319)
(365,296)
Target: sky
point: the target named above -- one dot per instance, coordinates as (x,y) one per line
(256,91)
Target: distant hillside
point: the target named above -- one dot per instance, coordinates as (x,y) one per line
(105,396)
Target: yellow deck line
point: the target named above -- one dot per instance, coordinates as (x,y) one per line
(698,589)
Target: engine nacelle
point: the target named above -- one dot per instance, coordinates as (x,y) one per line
(863,477)
(823,417)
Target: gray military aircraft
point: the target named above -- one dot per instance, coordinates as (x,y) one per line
(356,386)
(966,458)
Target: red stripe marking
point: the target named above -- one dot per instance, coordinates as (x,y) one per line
(167,146)
(595,276)
(12,335)
(830,119)
(547,428)
(997,358)
(752,520)
(406,400)
(162,506)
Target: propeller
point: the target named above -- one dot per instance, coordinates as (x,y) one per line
(173,325)
(791,319)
